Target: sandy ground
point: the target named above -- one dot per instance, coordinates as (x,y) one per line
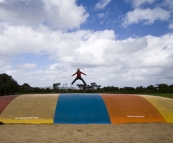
(119,133)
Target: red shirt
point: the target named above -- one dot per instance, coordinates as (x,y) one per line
(78,74)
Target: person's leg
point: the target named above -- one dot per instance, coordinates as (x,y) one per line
(74,80)
(83,81)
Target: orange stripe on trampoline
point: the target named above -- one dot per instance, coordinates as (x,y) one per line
(130,108)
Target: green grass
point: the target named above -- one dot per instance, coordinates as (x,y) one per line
(169,95)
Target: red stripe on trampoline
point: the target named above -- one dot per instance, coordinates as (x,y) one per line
(5,100)
(130,108)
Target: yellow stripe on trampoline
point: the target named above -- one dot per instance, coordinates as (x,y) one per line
(33,109)
(163,105)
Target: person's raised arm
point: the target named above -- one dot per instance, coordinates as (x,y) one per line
(74,73)
(82,73)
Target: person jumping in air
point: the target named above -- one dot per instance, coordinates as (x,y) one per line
(78,76)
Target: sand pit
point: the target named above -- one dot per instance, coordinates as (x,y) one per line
(59,133)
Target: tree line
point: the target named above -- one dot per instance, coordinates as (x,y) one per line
(9,86)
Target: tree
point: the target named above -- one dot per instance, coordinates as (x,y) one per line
(80,86)
(89,87)
(171,88)
(128,89)
(94,85)
(151,88)
(163,88)
(26,88)
(110,89)
(140,89)
(8,85)
(56,85)
(48,90)
(98,86)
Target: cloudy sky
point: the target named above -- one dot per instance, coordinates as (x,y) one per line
(115,42)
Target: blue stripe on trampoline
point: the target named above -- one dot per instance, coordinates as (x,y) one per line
(81,109)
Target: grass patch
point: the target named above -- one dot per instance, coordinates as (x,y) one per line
(169,95)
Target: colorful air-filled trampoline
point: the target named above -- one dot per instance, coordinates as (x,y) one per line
(85,109)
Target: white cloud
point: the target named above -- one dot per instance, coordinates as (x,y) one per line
(138,3)
(147,16)
(36,27)
(100,15)
(5,64)
(168,3)
(105,60)
(27,66)
(63,46)
(17,40)
(171,26)
(56,14)
(102,4)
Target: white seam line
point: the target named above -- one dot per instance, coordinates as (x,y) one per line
(20,118)
(135,116)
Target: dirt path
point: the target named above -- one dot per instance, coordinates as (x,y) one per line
(119,133)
